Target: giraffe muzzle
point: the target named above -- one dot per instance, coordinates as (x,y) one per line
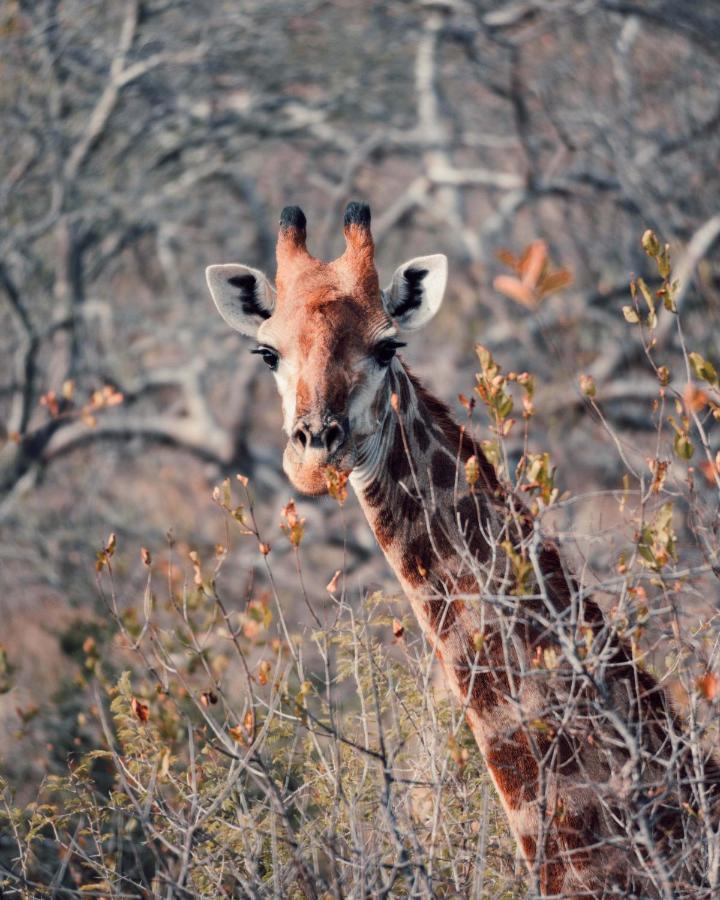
(312,448)
(330,437)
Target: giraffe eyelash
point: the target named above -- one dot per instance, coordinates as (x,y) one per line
(384,351)
(270,356)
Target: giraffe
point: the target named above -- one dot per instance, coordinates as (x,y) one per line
(579,759)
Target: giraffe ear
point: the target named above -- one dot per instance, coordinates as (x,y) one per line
(416,291)
(243,296)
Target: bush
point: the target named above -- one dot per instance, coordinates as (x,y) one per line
(237,757)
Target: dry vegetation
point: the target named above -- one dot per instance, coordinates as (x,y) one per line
(274,736)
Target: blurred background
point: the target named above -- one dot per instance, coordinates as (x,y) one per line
(145,139)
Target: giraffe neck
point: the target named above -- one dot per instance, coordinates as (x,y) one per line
(445,542)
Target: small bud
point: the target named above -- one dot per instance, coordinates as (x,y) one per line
(332,585)
(264,670)
(472,470)
(650,243)
(587,385)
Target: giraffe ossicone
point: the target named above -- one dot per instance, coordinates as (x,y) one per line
(330,335)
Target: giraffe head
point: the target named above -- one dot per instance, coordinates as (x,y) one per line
(329,334)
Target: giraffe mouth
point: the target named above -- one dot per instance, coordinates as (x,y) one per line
(308,473)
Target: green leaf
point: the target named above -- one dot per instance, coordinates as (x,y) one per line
(683,446)
(663,262)
(645,291)
(702,368)
(504,406)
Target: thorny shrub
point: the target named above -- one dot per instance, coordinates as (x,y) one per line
(237,756)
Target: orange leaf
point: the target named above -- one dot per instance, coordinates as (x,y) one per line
(694,398)
(333,583)
(515,290)
(533,263)
(509,259)
(709,470)
(293,525)
(398,629)
(249,721)
(709,685)
(555,281)
(469,405)
(50,402)
(237,734)
(140,709)
(336,482)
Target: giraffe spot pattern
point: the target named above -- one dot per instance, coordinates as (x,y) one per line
(439,532)
(398,464)
(421,435)
(443,470)
(374,493)
(577,832)
(568,755)
(484,689)
(408,506)
(405,395)
(529,846)
(515,769)
(386,527)
(469,511)
(417,559)
(442,614)
(552,871)
(562,750)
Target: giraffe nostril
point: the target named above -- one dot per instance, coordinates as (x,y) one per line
(300,439)
(334,436)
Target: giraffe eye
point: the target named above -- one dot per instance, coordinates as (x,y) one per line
(384,352)
(270,357)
